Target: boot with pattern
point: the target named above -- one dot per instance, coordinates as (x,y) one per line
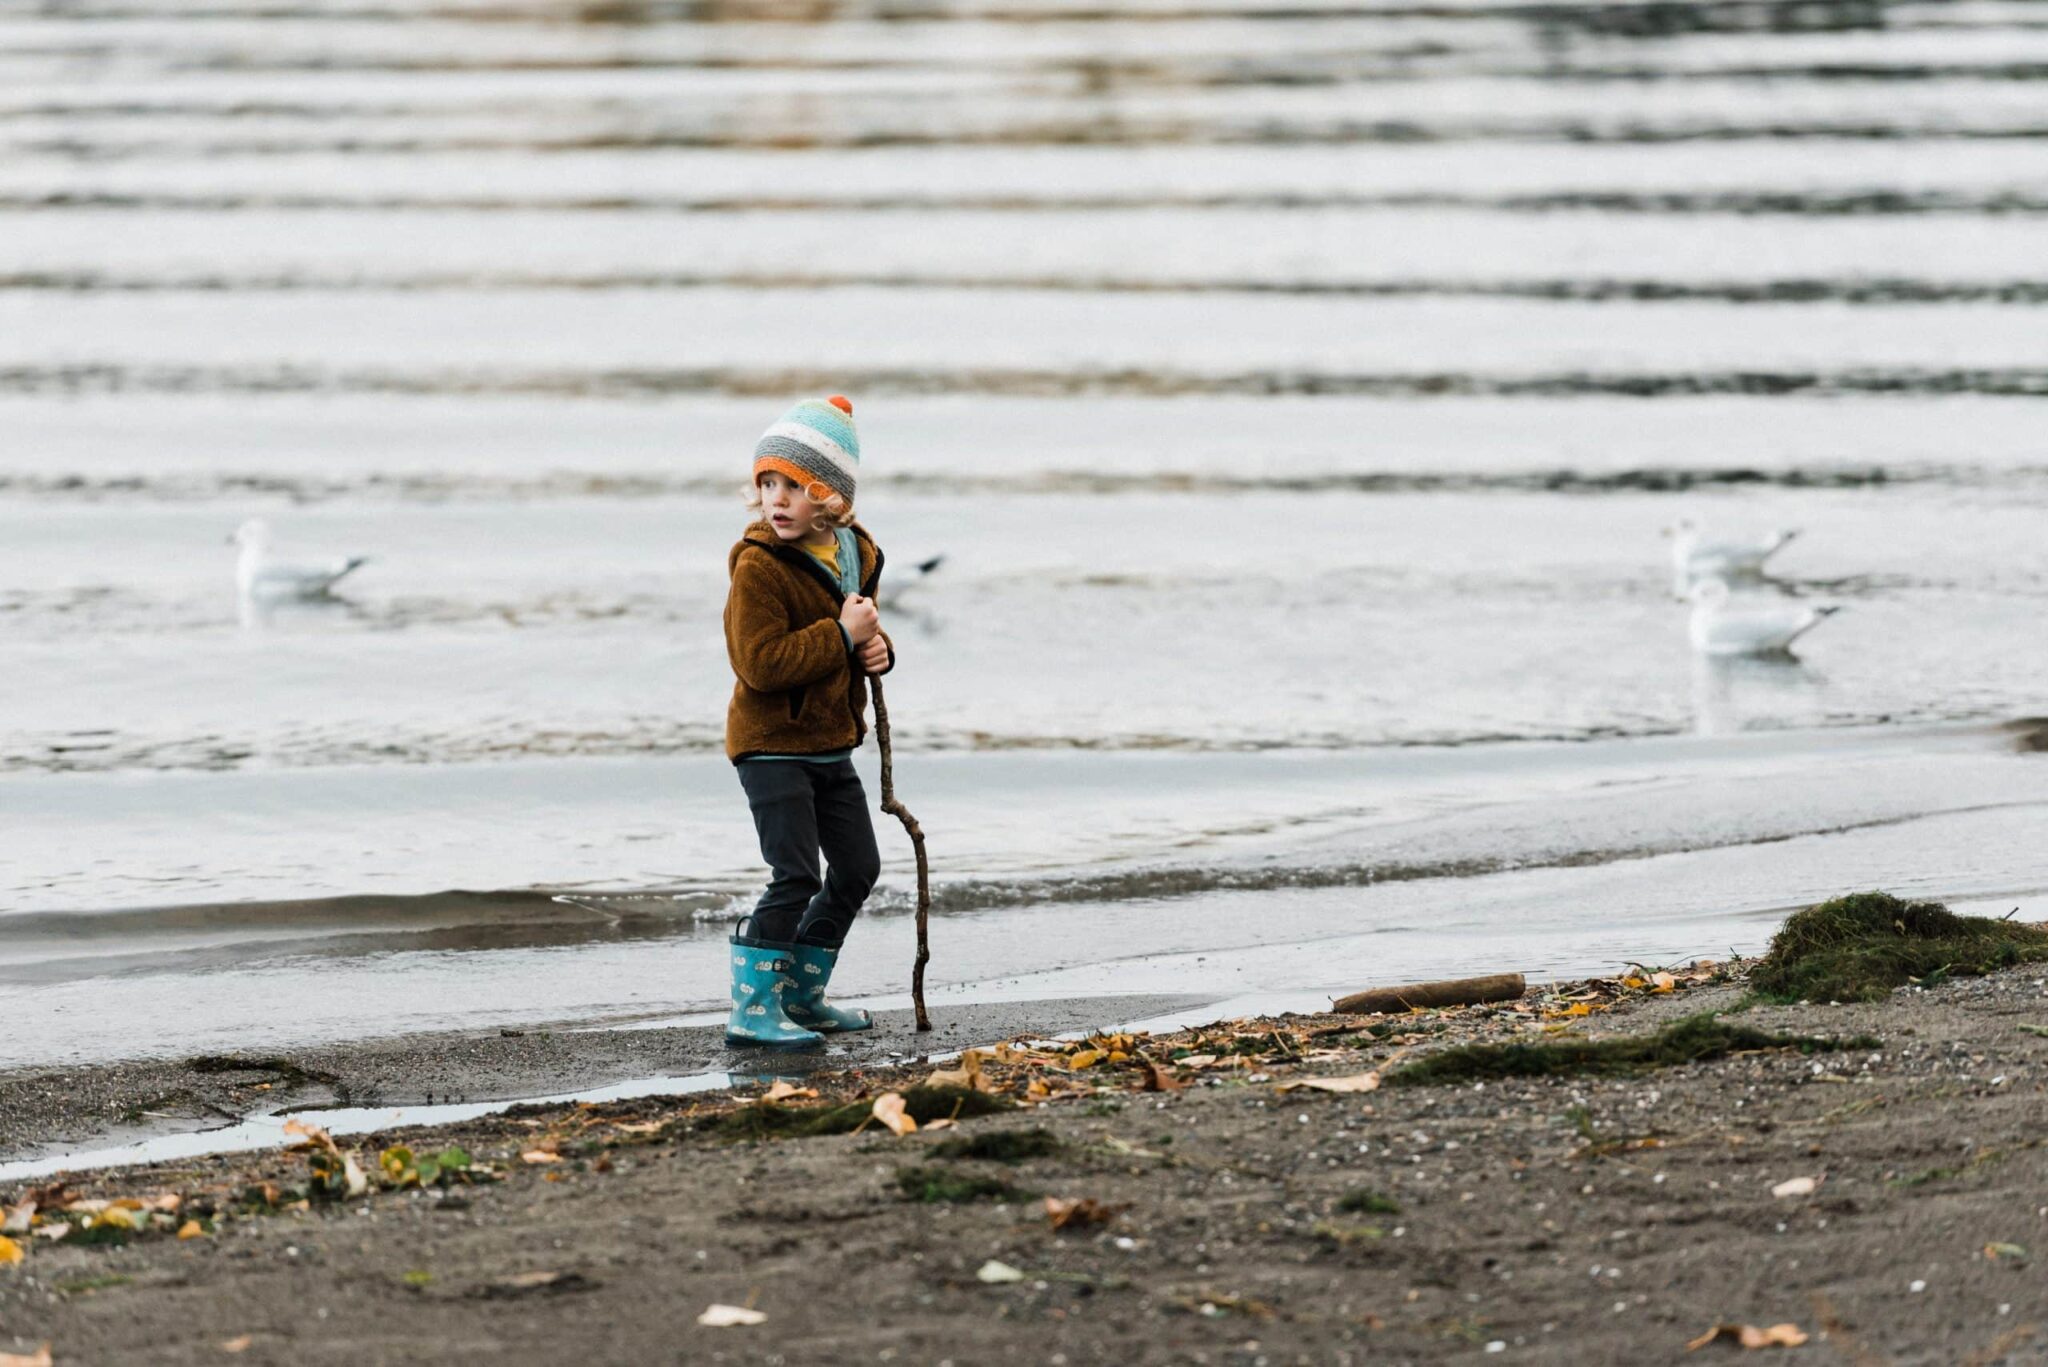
(806,1002)
(762,984)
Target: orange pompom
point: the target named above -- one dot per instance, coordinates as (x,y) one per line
(842,403)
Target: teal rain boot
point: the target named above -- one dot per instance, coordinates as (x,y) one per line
(761,983)
(806,1002)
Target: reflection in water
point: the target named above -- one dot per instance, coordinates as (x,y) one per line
(1742,692)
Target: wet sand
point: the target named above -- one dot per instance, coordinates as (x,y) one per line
(1565,1220)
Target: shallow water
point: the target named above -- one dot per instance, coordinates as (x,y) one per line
(1295,398)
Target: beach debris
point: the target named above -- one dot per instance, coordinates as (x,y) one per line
(1496,987)
(1158,1079)
(18,1218)
(891,1109)
(191,1229)
(782,1089)
(39,1358)
(2013,1253)
(401,1167)
(969,1074)
(1357,1082)
(730,1317)
(892,806)
(241,1343)
(1078,1212)
(10,1252)
(1796,1186)
(1216,1304)
(995,1273)
(335,1175)
(1861,946)
(1690,1040)
(1748,1336)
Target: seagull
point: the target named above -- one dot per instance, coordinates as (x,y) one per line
(1754,628)
(1695,557)
(258,578)
(893,595)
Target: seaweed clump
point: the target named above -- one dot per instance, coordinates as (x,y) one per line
(999,1146)
(1859,947)
(933,1185)
(1691,1040)
(771,1120)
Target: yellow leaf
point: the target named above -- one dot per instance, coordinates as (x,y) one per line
(10,1251)
(1358,1082)
(1633,981)
(1749,1336)
(1118,1056)
(1087,1058)
(551,1175)
(540,1156)
(39,1358)
(889,1110)
(115,1217)
(191,1229)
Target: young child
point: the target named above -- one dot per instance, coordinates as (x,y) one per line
(803,635)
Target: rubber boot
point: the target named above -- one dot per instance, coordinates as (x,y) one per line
(762,982)
(806,1002)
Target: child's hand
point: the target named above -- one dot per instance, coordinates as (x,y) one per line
(874,655)
(860,618)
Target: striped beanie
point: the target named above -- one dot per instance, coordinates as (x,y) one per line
(813,443)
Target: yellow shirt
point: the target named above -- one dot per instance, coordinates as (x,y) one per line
(828,556)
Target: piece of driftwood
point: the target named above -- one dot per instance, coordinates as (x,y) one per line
(1498,987)
(924,878)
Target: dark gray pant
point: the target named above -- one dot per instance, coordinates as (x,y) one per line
(799,810)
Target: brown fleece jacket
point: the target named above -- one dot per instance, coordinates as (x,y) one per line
(798,692)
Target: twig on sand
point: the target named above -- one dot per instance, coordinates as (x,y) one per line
(924,878)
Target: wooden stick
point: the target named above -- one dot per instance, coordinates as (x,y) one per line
(924,875)
(1499,987)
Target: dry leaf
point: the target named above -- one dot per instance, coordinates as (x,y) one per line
(10,1252)
(995,1273)
(1196,1061)
(643,1126)
(191,1229)
(1077,1211)
(889,1110)
(312,1134)
(1796,1186)
(1357,1082)
(729,1316)
(1663,982)
(783,1090)
(240,1344)
(944,1122)
(1751,1337)
(539,1156)
(39,1358)
(1085,1058)
(1157,1079)
(19,1219)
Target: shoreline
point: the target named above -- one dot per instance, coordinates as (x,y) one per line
(1565,1219)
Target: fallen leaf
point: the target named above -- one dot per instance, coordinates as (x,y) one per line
(1086,1058)
(782,1090)
(1157,1079)
(115,1217)
(1796,1186)
(19,1219)
(889,1110)
(1997,1251)
(944,1122)
(55,1230)
(995,1273)
(240,1344)
(191,1229)
(539,1156)
(646,1126)
(1663,982)
(1358,1082)
(39,1358)
(10,1252)
(1078,1211)
(1196,1060)
(730,1316)
(1751,1337)
(312,1134)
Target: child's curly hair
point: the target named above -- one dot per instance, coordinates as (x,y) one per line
(833,510)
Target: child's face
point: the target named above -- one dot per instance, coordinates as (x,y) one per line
(789,512)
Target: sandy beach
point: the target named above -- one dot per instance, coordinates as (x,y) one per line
(1882,1200)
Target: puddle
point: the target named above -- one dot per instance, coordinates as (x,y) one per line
(267,1131)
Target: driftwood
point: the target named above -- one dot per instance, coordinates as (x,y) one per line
(924,877)
(1500,987)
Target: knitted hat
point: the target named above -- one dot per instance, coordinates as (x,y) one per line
(813,443)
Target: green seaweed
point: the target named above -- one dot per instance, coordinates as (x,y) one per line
(1860,947)
(999,1146)
(1691,1040)
(1367,1201)
(952,1186)
(771,1120)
